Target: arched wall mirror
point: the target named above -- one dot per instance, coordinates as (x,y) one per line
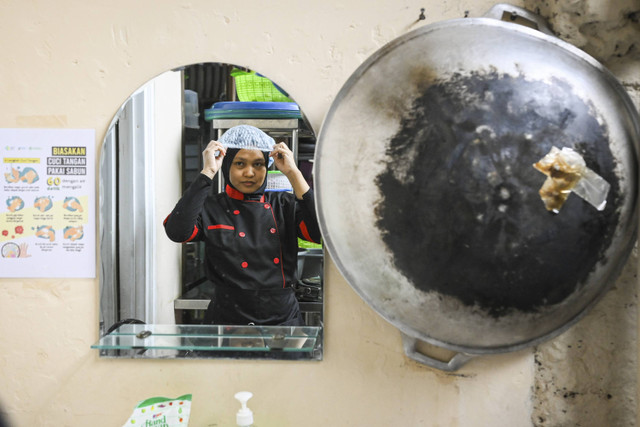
(154,292)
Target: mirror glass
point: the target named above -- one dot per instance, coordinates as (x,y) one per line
(153,292)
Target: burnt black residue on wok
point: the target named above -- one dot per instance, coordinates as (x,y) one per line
(465,218)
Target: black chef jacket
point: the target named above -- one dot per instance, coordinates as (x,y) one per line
(251,249)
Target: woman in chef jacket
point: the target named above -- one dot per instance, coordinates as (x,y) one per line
(251,236)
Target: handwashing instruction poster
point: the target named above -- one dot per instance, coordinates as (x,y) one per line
(47,203)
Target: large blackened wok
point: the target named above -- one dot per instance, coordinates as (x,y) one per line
(428,199)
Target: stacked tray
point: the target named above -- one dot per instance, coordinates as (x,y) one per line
(253,110)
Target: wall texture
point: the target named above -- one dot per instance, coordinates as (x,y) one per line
(585,376)
(72,63)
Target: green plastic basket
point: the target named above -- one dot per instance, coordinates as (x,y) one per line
(253,88)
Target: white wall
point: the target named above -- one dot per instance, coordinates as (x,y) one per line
(71,64)
(167,164)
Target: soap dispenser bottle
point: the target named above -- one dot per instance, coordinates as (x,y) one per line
(244,416)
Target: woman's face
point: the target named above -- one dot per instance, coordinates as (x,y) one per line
(248,171)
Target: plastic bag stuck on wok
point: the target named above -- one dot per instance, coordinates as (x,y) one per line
(567,172)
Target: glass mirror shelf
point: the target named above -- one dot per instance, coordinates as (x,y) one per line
(144,341)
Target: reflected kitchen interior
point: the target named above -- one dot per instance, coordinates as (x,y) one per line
(151,154)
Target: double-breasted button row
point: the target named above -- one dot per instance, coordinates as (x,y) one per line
(243,234)
(245,264)
(272,230)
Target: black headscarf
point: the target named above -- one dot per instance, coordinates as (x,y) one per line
(226,165)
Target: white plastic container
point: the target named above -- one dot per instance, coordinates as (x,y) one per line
(191,113)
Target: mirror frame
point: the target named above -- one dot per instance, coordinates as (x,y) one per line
(127,214)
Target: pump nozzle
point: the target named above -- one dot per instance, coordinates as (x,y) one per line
(244,416)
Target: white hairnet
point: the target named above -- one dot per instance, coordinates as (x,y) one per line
(247,137)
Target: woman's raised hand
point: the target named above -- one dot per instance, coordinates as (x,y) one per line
(283,159)
(212,158)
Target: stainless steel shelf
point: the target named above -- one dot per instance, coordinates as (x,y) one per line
(191,304)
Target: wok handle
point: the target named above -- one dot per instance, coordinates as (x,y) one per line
(410,349)
(499,10)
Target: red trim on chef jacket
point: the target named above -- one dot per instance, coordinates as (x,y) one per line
(233,193)
(238,195)
(305,232)
(193,235)
(217,226)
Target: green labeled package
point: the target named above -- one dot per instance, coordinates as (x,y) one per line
(161,412)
